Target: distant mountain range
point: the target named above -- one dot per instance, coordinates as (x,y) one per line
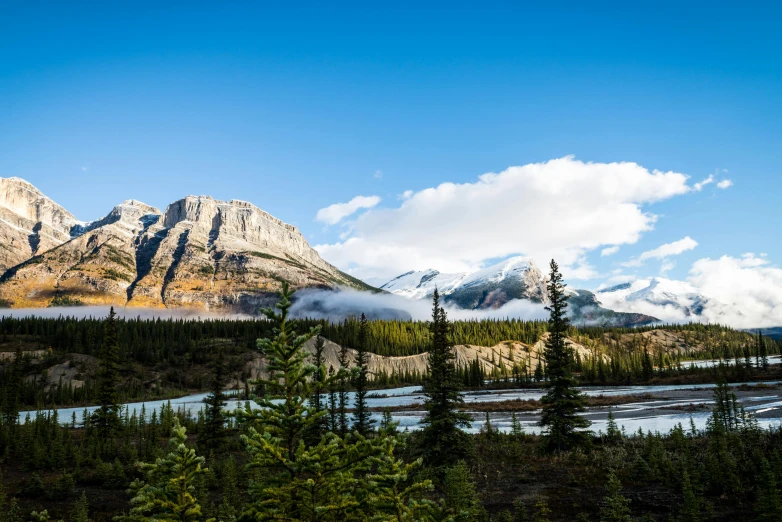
(224,256)
(499,284)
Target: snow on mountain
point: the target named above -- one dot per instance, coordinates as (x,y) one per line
(666,299)
(421,284)
(490,287)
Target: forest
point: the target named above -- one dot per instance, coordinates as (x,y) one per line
(299,449)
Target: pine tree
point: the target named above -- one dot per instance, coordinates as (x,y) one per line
(762,351)
(615,505)
(319,380)
(167,492)
(461,500)
(442,441)
(362,418)
(80,511)
(692,505)
(342,391)
(106,418)
(326,481)
(562,402)
(768,505)
(214,417)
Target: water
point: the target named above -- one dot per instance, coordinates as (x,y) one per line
(659,415)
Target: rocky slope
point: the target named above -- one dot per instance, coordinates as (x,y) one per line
(200,253)
(499,284)
(30,222)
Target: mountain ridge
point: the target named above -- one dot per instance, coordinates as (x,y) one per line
(199,253)
(515,278)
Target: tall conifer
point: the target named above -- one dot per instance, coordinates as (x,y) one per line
(442,441)
(106,418)
(362,418)
(563,401)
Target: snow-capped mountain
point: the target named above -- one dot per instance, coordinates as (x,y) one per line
(516,278)
(490,287)
(665,298)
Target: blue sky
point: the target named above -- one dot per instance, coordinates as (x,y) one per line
(295,110)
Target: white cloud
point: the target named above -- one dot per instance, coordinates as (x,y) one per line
(609,251)
(667,266)
(335,213)
(561,208)
(699,186)
(405,195)
(749,290)
(725,183)
(664,251)
(378,174)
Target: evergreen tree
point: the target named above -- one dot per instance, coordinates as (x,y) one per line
(762,351)
(327,481)
(167,492)
(342,391)
(80,512)
(768,505)
(562,402)
(319,386)
(442,441)
(461,500)
(362,418)
(214,417)
(106,418)
(615,505)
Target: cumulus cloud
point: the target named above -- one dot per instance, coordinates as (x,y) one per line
(609,251)
(747,288)
(664,251)
(561,208)
(335,213)
(725,183)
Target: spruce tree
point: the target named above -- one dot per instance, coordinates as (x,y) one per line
(214,417)
(80,512)
(562,402)
(106,418)
(332,480)
(167,492)
(319,379)
(768,504)
(442,441)
(362,418)
(615,505)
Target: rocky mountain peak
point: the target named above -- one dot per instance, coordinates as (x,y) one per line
(200,253)
(26,201)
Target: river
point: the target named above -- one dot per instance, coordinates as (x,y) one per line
(668,406)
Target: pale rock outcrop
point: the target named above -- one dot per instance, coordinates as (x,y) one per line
(200,253)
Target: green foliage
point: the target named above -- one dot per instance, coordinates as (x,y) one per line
(80,511)
(167,492)
(333,479)
(213,432)
(616,507)
(563,401)
(362,418)
(461,500)
(106,417)
(442,441)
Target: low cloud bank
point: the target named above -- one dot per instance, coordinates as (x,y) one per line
(325,304)
(316,304)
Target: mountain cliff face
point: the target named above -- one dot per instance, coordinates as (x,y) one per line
(30,222)
(199,253)
(497,285)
